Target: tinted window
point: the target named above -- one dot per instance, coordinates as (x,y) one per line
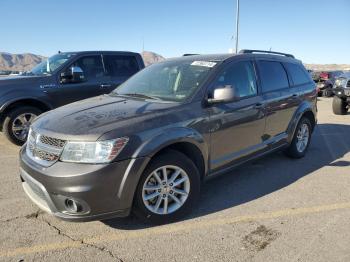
(91,65)
(298,75)
(121,66)
(240,75)
(273,76)
(169,81)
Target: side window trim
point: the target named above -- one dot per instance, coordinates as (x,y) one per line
(103,64)
(220,71)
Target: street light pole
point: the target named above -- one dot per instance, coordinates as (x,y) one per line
(237,25)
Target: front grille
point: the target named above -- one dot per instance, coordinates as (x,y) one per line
(52,141)
(43,149)
(45,156)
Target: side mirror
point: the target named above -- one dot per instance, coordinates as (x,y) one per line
(73,75)
(222,94)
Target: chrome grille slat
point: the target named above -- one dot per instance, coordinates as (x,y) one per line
(52,141)
(43,149)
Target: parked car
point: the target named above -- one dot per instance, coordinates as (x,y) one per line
(341,100)
(147,145)
(62,79)
(325,82)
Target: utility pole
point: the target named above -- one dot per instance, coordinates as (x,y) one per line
(143,44)
(237,25)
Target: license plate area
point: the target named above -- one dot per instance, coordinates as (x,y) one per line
(347,92)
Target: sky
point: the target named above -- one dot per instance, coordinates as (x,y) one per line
(315,31)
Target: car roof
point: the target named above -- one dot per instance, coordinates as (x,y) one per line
(101,52)
(224,57)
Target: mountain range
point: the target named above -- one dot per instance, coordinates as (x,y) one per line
(25,62)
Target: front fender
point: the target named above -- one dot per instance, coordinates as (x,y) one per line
(7,101)
(306,106)
(172,136)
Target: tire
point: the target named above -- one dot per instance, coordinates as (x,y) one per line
(170,159)
(11,118)
(328,92)
(339,106)
(293,150)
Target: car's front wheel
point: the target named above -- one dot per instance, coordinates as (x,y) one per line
(17,122)
(168,188)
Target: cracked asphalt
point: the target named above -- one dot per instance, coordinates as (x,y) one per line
(272,209)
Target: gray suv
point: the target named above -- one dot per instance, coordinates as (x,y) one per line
(147,146)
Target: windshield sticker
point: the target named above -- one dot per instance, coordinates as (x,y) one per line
(203,63)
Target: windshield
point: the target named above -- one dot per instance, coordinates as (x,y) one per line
(51,64)
(170,81)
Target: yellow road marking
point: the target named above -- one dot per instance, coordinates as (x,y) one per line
(177,227)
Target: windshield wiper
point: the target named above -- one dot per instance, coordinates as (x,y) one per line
(140,96)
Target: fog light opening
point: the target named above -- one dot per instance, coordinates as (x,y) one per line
(73,206)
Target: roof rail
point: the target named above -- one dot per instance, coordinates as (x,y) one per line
(248,51)
(188,54)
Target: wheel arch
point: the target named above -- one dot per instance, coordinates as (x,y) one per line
(184,140)
(305,110)
(22,102)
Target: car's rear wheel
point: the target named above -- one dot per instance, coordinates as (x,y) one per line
(17,122)
(339,106)
(301,139)
(168,188)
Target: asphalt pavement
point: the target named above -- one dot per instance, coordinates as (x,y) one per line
(272,209)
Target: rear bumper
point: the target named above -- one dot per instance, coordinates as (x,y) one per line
(102,191)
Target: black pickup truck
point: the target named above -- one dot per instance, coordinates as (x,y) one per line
(341,100)
(61,79)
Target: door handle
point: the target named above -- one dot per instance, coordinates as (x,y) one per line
(105,85)
(258,105)
(293,97)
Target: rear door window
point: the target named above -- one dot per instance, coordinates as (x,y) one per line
(298,75)
(273,76)
(121,66)
(92,66)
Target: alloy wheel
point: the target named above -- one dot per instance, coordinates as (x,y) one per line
(166,189)
(302,137)
(21,124)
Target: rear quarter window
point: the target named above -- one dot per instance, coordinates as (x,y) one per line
(273,76)
(297,73)
(121,65)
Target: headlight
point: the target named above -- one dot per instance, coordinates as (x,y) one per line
(340,82)
(93,152)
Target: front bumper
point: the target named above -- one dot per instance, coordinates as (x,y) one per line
(342,92)
(102,191)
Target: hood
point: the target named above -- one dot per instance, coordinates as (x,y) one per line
(89,119)
(13,83)
(19,79)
